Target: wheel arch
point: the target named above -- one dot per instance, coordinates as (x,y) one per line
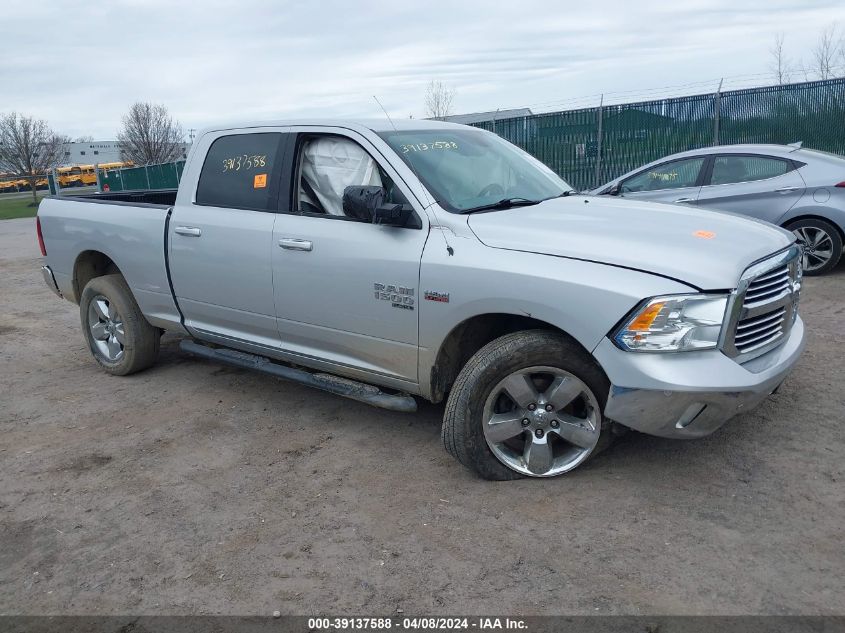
(473,333)
(814,216)
(88,265)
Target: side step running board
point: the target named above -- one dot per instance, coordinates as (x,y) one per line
(360,391)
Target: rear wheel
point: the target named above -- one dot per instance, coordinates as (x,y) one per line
(822,244)
(120,338)
(527,404)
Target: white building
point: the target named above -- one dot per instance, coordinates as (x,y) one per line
(95,152)
(90,153)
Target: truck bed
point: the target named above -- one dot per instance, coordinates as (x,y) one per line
(127,228)
(158,197)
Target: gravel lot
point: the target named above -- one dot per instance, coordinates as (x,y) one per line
(196,488)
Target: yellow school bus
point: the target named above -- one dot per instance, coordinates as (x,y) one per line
(116,165)
(10,183)
(7,184)
(84,175)
(20,184)
(76,176)
(67,177)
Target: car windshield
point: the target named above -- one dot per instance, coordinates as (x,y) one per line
(465,168)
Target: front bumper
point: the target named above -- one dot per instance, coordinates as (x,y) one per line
(50,280)
(691,394)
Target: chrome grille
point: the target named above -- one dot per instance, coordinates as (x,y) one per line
(768,286)
(757,331)
(764,306)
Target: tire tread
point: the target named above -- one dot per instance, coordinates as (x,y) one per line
(142,339)
(459,434)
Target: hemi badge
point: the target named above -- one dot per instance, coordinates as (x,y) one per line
(441,297)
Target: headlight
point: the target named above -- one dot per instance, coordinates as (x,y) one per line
(676,323)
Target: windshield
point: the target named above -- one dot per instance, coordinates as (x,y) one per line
(466,168)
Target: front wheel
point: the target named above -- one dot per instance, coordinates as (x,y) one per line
(527,404)
(822,245)
(120,338)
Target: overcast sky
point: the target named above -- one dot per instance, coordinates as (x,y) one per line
(81,64)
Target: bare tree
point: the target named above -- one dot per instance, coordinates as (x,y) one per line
(824,53)
(803,70)
(780,65)
(149,135)
(84,139)
(842,54)
(28,148)
(438,99)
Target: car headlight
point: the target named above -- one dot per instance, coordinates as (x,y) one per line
(675,323)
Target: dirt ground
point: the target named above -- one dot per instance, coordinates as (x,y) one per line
(196,488)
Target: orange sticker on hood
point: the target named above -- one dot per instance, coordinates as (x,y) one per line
(705,235)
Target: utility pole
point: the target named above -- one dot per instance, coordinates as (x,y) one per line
(598,142)
(191,131)
(717,103)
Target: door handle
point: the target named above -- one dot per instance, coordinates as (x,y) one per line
(189,231)
(685,200)
(787,189)
(294,244)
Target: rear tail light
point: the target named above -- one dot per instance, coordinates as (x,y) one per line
(40,237)
(840,184)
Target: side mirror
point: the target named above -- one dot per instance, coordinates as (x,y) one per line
(615,190)
(392,214)
(367,203)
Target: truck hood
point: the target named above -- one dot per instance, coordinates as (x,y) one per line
(705,249)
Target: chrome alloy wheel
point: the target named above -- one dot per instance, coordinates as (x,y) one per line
(106,327)
(541,421)
(818,246)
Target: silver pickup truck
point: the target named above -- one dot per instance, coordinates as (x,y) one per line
(383,261)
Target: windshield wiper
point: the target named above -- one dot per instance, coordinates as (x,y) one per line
(504,203)
(565,194)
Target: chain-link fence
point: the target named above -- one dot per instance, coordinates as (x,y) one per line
(590,146)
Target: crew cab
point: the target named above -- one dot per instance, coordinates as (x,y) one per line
(385,262)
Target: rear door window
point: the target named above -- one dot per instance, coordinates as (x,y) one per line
(728,169)
(242,171)
(672,175)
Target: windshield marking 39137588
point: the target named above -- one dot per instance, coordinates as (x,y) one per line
(471,170)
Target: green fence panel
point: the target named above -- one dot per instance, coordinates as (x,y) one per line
(633,134)
(638,133)
(164,176)
(155,176)
(565,141)
(110,180)
(134,178)
(813,113)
